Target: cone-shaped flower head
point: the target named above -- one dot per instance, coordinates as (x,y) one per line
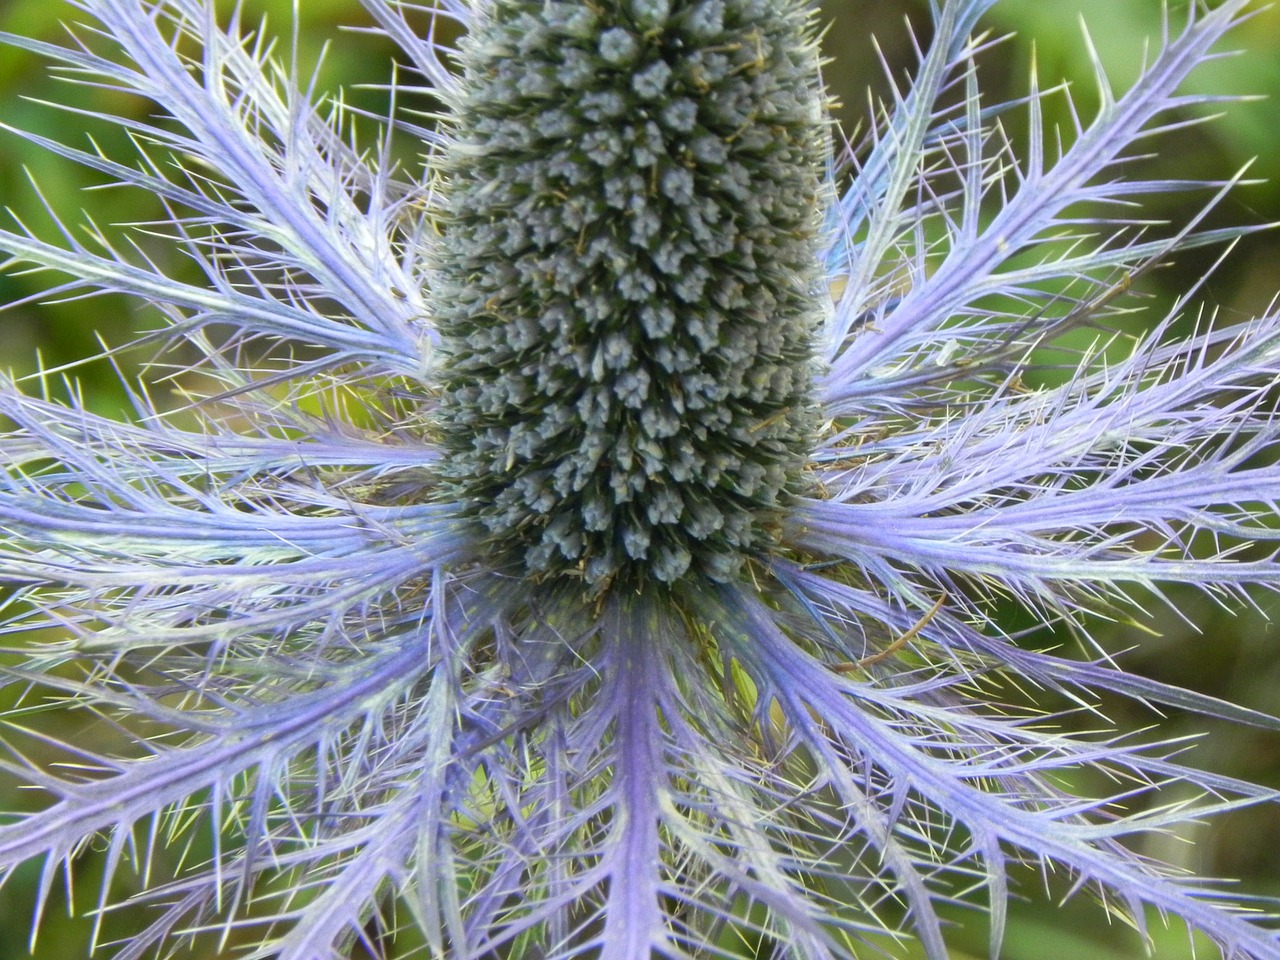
(605,540)
(627,280)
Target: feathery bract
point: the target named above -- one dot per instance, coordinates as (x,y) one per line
(581,532)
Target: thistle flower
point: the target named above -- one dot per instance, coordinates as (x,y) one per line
(587,546)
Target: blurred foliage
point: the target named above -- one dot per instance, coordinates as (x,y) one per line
(1195,643)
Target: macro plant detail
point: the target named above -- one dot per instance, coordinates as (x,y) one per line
(628,280)
(582,530)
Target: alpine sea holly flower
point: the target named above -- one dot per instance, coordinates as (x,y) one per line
(586,545)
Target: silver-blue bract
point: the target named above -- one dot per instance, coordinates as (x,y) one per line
(413,731)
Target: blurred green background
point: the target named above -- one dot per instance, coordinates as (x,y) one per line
(1233,656)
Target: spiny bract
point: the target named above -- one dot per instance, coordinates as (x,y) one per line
(583,526)
(627,284)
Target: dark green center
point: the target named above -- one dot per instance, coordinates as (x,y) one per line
(627,281)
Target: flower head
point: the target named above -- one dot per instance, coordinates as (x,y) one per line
(628,281)
(586,545)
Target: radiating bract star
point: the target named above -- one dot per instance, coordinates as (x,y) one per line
(584,528)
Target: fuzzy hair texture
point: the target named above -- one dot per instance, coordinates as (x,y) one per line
(408,633)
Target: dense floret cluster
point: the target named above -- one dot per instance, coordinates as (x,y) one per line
(627,281)
(625,534)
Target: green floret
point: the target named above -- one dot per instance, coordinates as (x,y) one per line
(627,283)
